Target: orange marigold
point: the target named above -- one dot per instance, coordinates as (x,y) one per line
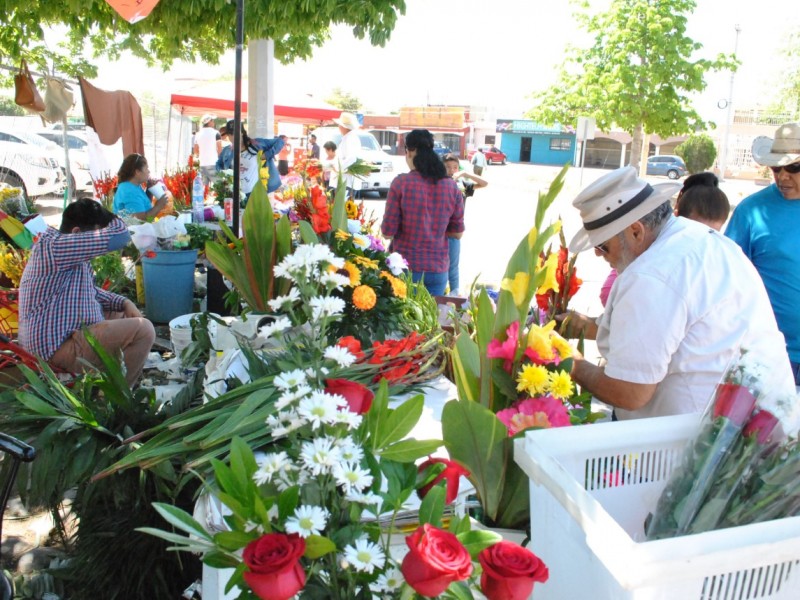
(364,297)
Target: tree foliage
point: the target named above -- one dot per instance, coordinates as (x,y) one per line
(8,108)
(788,100)
(698,152)
(191,30)
(637,75)
(344,100)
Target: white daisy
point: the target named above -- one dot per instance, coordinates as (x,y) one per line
(290,379)
(390,581)
(270,465)
(278,325)
(365,498)
(285,302)
(289,396)
(351,476)
(349,450)
(360,240)
(282,270)
(319,408)
(348,418)
(325,306)
(319,455)
(307,520)
(342,356)
(334,281)
(365,556)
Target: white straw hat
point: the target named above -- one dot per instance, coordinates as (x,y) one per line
(614,202)
(207,118)
(348,121)
(783,150)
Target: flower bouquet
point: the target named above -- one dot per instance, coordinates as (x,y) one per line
(104,188)
(553,299)
(737,454)
(313,512)
(511,375)
(180,184)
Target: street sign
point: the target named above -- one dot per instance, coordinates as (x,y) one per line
(585,130)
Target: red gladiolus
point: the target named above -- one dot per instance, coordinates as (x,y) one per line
(509,571)
(353,345)
(150,254)
(273,565)
(452,474)
(734,402)
(764,425)
(359,398)
(435,559)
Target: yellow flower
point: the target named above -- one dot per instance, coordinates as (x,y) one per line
(351,209)
(561,385)
(532,235)
(364,297)
(399,288)
(557,226)
(353,273)
(533,379)
(517,286)
(550,281)
(363,261)
(561,346)
(539,341)
(263,173)
(341,235)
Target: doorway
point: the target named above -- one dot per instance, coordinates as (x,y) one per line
(525,149)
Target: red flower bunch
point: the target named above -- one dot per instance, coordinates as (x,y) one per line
(395,367)
(435,559)
(180,183)
(555,302)
(509,571)
(315,210)
(308,168)
(104,186)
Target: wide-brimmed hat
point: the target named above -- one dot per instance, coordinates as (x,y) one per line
(614,202)
(348,121)
(783,150)
(207,118)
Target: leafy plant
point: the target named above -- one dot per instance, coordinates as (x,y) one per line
(698,151)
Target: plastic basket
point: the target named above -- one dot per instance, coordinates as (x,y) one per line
(591,489)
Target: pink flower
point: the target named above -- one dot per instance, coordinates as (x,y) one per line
(506,350)
(542,413)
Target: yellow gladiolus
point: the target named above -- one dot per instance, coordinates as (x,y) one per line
(551,268)
(561,346)
(517,286)
(539,340)
(532,235)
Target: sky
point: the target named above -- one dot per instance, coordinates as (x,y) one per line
(492,54)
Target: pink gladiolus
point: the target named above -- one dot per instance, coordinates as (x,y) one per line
(734,402)
(543,413)
(764,425)
(506,350)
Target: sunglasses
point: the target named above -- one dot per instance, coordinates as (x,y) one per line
(792,169)
(602,248)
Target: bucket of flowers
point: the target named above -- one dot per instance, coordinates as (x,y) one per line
(512,374)
(312,512)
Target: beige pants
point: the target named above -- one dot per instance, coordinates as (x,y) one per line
(133,337)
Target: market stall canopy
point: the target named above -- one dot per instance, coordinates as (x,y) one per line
(217,98)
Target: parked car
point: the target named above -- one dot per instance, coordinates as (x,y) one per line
(382,173)
(78,158)
(493,154)
(28,167)
(666,164)
(441,149)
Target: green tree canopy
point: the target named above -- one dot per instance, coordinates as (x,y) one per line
(344,100)
(698,152)
(637,75)
(190,30)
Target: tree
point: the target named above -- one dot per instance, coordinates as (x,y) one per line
(9,108)
(344,100)
(788,100)
(637,75)
(193,30)
(698,152)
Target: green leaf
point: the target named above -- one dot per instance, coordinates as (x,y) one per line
(181,520)
(318,546)
(432,506)
(406,451)
(476,540)
(220,560)
(288,502)
(233,540)
(459,590)
(400,421)
(307,233)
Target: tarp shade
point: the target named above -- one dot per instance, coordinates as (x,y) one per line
(194,106)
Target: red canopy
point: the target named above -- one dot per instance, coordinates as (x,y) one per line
(194,106)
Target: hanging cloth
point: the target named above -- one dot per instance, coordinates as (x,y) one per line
(58,100)
(113,115)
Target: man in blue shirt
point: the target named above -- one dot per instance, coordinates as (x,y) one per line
(766,225)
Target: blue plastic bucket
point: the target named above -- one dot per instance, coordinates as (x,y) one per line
(168,284)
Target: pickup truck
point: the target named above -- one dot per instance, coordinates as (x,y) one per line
(382,173)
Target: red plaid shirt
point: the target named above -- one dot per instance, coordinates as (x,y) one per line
(57,294)
(418,213)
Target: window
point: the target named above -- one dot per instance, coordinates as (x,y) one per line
(489,139)
(560,144)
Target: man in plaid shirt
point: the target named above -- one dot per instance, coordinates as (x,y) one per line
(58,298)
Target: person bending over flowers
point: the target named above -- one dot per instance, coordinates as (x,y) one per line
(58,297)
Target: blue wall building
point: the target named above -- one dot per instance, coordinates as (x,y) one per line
(529,142)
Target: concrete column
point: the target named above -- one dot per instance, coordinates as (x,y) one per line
(623,151)
(261,88)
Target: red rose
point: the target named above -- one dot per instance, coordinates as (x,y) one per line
(452,473)
(764,425)
(359,398)
(273,563)
(509,571)
(435,560)
(734,402)
(353,345)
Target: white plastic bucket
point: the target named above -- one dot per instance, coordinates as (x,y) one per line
(180,331)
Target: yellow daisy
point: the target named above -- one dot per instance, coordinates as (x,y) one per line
(517,286)
(341,235)
(353,273)
(561,385)
(533,379)
(363,261)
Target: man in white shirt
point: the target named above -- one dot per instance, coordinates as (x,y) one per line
(349,148)
(685,301)
(207,146)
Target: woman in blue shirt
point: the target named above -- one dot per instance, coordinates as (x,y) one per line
(130,197)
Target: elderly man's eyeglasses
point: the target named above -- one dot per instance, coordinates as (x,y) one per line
(603,248)
(792,169)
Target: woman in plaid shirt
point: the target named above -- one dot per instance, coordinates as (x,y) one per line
(424,208)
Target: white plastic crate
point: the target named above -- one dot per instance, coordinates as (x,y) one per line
(591,489)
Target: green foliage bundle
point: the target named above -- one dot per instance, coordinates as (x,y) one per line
(698,152)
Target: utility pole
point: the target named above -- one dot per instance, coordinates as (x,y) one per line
(723,159)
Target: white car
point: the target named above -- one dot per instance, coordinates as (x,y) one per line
(78,157)
(383,172)
(28,167)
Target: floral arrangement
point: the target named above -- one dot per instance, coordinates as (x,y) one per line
(554,299)
(223,188)
(313,513)
(13,202)
(744,464)
(180,184)
(104,189)
(512,374)
(12,263)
